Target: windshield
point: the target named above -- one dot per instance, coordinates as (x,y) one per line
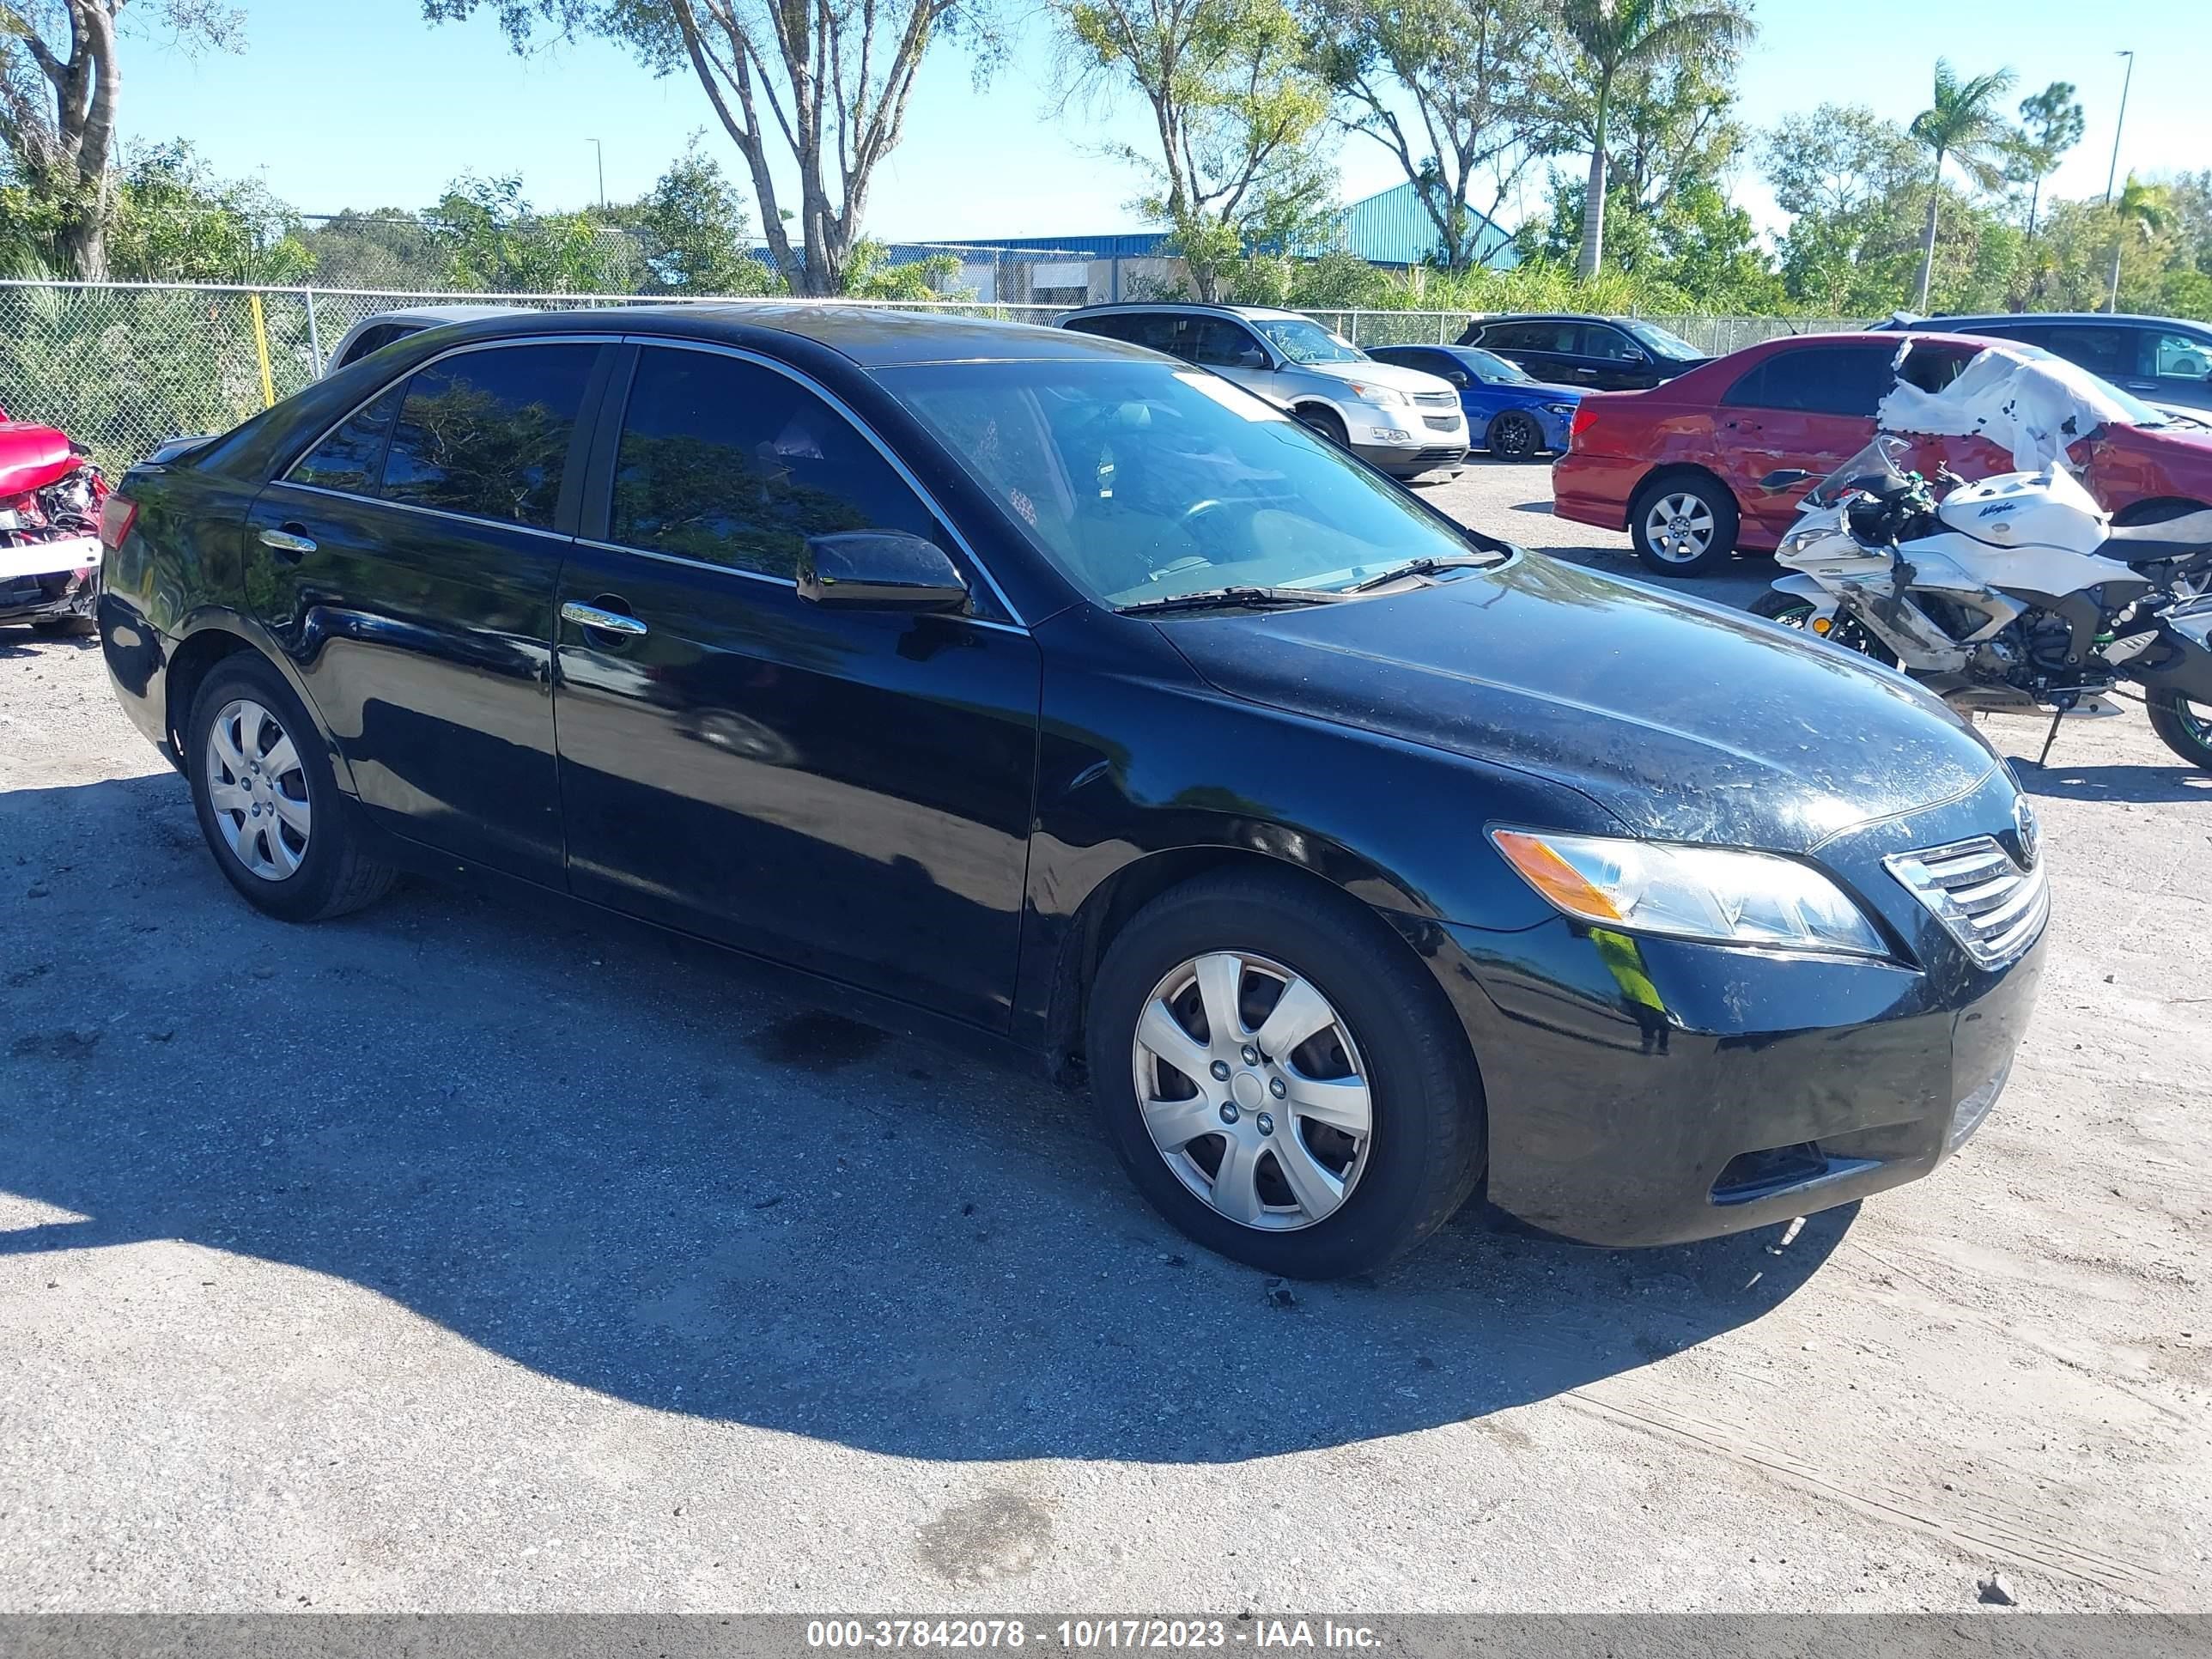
(1872,468)
(1143,480)
(1660,341)
(1303,341)
(1489,367)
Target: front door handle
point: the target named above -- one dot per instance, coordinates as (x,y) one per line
(289,542)
(599,621)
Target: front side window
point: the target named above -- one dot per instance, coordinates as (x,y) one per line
(727,463)
(1822,380)
(1219,344)
(1661,343)
(487,433)
(2099,347)
(347,458)
(1609,343)
(1144,481)
(1304,341)
(1491,369)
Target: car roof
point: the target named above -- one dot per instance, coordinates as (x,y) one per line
(1981,319)
(1122,307)
(1551,317)
(434,316)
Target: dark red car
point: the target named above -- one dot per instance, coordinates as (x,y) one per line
(1678,466)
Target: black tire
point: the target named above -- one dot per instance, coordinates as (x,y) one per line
(1324,420)
(1424,1152)
(335,874)
(2182,726)
(1514,437)
(1793,610)
(1706,492)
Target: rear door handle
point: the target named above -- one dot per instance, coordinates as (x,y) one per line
(602,621)
(287,544)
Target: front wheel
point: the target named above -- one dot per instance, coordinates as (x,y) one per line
(1325,422)
(1684,525)
(1794,611)
(2183,727)
(1514,437)
(1279,1078)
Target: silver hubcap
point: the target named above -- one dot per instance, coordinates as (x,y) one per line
(258,789)
(1679,527)
(1253,1091)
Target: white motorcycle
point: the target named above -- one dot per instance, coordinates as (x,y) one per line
(2015,595)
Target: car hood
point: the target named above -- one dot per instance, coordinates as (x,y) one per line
(1395,376)
(1539,391)
(1686,721)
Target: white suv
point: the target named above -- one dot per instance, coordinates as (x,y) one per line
(1399,419)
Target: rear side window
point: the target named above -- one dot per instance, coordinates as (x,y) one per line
(1531,336)
(487,433)
(374,339)
(727,463)
(1111,328)
(1821,380)
(347,459)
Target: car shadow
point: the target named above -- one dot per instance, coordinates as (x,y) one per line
(2143,785)
(21,640)
(636,1164)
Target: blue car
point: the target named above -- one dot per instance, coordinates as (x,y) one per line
(1509,415)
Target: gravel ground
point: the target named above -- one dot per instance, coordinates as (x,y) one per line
(466,1256)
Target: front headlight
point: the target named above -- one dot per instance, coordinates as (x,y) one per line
(1709,893)
(1382,396)
(1804,539)
(1560,409)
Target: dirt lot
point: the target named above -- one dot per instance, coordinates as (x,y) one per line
(459,1255)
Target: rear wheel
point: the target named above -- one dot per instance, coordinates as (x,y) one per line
(1514,437)
(1683,526)
(1280,1079)
(267,802)
(2183,727)
(1794,611)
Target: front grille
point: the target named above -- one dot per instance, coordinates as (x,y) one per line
(1986,901)
(1441,422)
(1436,399)
(1429,458)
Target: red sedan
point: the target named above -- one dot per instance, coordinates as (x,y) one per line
(1678,466)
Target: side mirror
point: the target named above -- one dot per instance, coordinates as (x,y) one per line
(1782,479)
(1458,377)
(1251,357)
(879,570)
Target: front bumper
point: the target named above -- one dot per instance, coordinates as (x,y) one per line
(1746,1087)
(1410,461)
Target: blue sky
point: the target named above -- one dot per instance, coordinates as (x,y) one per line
(358,103)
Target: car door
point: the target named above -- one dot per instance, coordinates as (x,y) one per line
(1807,409)
(846,790)
(407,564)
(1548,350)
(1235,352)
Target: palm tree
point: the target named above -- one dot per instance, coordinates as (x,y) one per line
(1962,125)
(1614,36)
(2143,209)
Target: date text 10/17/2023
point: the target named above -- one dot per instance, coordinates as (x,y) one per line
(1090,1635)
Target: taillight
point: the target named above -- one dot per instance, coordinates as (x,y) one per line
(117,514)
(1585,418)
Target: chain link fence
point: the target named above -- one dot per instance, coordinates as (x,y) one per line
(122,366)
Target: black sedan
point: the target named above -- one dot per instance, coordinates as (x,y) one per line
(1037,684)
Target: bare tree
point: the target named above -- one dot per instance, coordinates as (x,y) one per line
(1445,86)
(60,85)
(826,82)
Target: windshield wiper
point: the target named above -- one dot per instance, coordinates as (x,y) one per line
(1219,599)
(1426,566)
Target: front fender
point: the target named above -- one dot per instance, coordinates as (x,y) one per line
(1805,587)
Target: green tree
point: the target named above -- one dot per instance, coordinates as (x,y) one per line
(61,81)
(1962,125)
(825,83)
(692,231)
(1448,86)
(381,248)
(1608,37)
(2140,214)
(173,221)
(493,238)
(869,274)
(2050,124)
(1239,110)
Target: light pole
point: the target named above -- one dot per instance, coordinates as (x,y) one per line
(602,150)
(2112,172)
